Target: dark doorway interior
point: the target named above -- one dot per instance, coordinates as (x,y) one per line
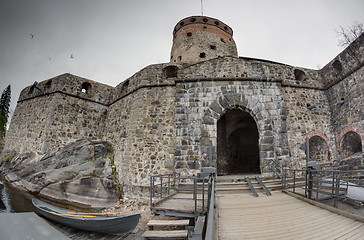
(237,144)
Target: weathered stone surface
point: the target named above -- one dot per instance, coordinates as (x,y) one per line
(92,192)
(80,173)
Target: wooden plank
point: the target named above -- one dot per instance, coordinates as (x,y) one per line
(175,234)
(181,202)
(168,223)
(279,217)
(356,234)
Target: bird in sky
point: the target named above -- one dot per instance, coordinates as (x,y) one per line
(32,35)
(71,55)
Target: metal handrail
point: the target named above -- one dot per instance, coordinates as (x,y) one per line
(164,186)
(210,225)
(276,165)
(331,183)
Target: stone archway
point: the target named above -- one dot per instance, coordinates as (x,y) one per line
(351,144)
(319,150)
(237,143)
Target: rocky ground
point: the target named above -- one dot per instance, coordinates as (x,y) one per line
(133,207)
(79,174)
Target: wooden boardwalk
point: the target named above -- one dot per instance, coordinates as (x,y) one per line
(243,216)
(182,202)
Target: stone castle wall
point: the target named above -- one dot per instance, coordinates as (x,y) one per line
(29,125)
(141,128)
(58,111)
(162,119)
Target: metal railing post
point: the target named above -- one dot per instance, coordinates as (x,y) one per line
(317,185)
(306,183)
(210,226)
(337,190)
(195,195)
(151,192)
(284,179)
(161,193)
(333,184)
(174,183)
(309,187)
(169,183)
(203,195)
(294,181)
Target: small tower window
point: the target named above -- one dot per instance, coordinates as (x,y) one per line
(202,55)
(170,71)
(189,34)
(124,87)
(337,66)
(31,90)
(48,84)
(182,23)
(213,47)
(299,75)
(85,87)
(205,20)
(217,23)
(193,19)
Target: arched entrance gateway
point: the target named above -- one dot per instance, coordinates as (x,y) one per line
(237,144)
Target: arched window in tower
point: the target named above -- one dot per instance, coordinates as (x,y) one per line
(85,87)
(338,68)
(299,75)
(170,71)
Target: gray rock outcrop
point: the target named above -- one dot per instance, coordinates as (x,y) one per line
(79,174)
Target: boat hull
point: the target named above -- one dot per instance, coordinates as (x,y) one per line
(110,224)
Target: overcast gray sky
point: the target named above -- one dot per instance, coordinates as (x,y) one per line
(112,39)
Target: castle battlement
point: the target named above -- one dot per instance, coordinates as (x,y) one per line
(206,23)
(70,85)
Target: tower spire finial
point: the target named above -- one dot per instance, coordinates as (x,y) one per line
(201,8)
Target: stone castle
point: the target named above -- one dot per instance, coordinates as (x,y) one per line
(256,113)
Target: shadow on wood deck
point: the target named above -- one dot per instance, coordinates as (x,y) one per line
(181,204)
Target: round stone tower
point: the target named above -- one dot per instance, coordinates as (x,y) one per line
(200,38)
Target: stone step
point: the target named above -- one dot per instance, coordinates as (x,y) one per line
(168,223)
(173,234)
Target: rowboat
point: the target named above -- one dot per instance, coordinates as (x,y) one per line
(109,223)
